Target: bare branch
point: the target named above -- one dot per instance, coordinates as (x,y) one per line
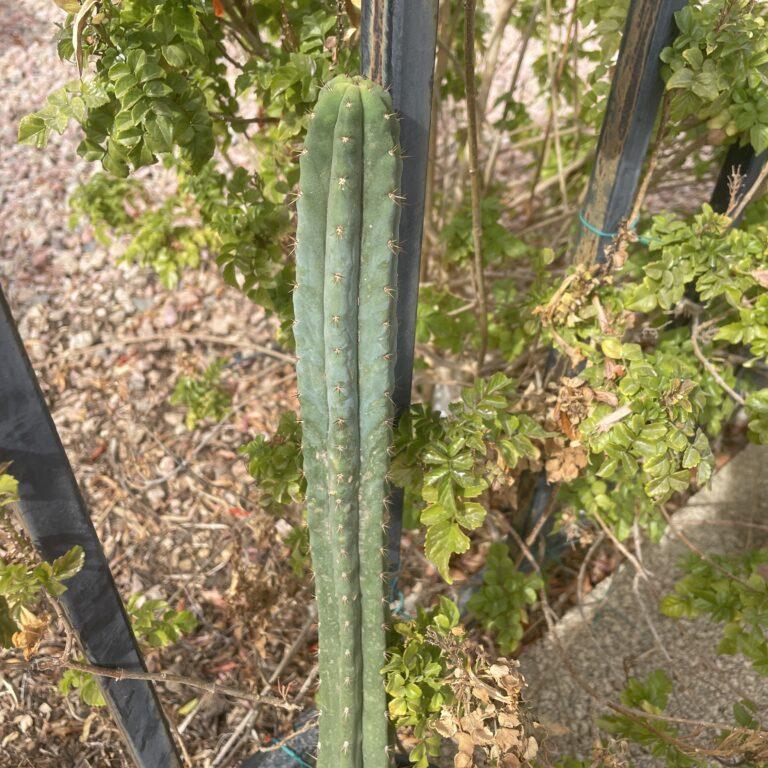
(474,176)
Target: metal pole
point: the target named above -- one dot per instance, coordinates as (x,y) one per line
(633,103)
(56,519)
(397,47)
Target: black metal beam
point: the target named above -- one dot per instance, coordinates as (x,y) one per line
(56,519)
(397,48)
(633,103)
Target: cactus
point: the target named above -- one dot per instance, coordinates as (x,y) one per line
(348,217)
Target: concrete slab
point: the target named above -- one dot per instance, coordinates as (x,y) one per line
(611,638)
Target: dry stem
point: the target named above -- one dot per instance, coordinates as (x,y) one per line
(474,175)
(695,330)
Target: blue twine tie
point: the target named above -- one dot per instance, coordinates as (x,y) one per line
(396,592)
(295,757)
(599,232)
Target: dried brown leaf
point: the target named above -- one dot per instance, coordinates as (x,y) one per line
(465,743)
(507,739)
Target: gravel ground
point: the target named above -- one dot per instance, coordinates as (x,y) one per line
(108,343)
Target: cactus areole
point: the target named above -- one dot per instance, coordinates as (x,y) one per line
(348,217)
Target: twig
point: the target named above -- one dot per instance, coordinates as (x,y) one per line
(554,79)
(614,417)
(750,193)
(230,748)
(202,338)
(490,162)
(732,393)
(474,176)
(258,119)
(580,580)
(647,617)
(493,50)
(616,543)
(525,550)
(447,22)
(275,745)
(654,158)
(166,677)
(535,531)
(703,555)
(69,632)
(307,684)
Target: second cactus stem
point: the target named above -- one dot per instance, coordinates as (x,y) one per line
(344,301)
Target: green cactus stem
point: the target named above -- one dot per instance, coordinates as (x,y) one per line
(348,217)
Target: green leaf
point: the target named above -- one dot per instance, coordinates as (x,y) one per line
(683,78)
(66,566)
(691,458)
(674,606)
(608,468)
(434,514)
(705,86)
(8,626)
(611,348)
(758,137)
(471,515)
(91,694)
(694,57)
(33,130)
(160,134)
(443,540)
(9,489)
(175,54)
(743,713)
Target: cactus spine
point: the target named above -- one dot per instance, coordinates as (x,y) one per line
(348,216)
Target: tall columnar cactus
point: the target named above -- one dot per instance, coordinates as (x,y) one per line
(348,213)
